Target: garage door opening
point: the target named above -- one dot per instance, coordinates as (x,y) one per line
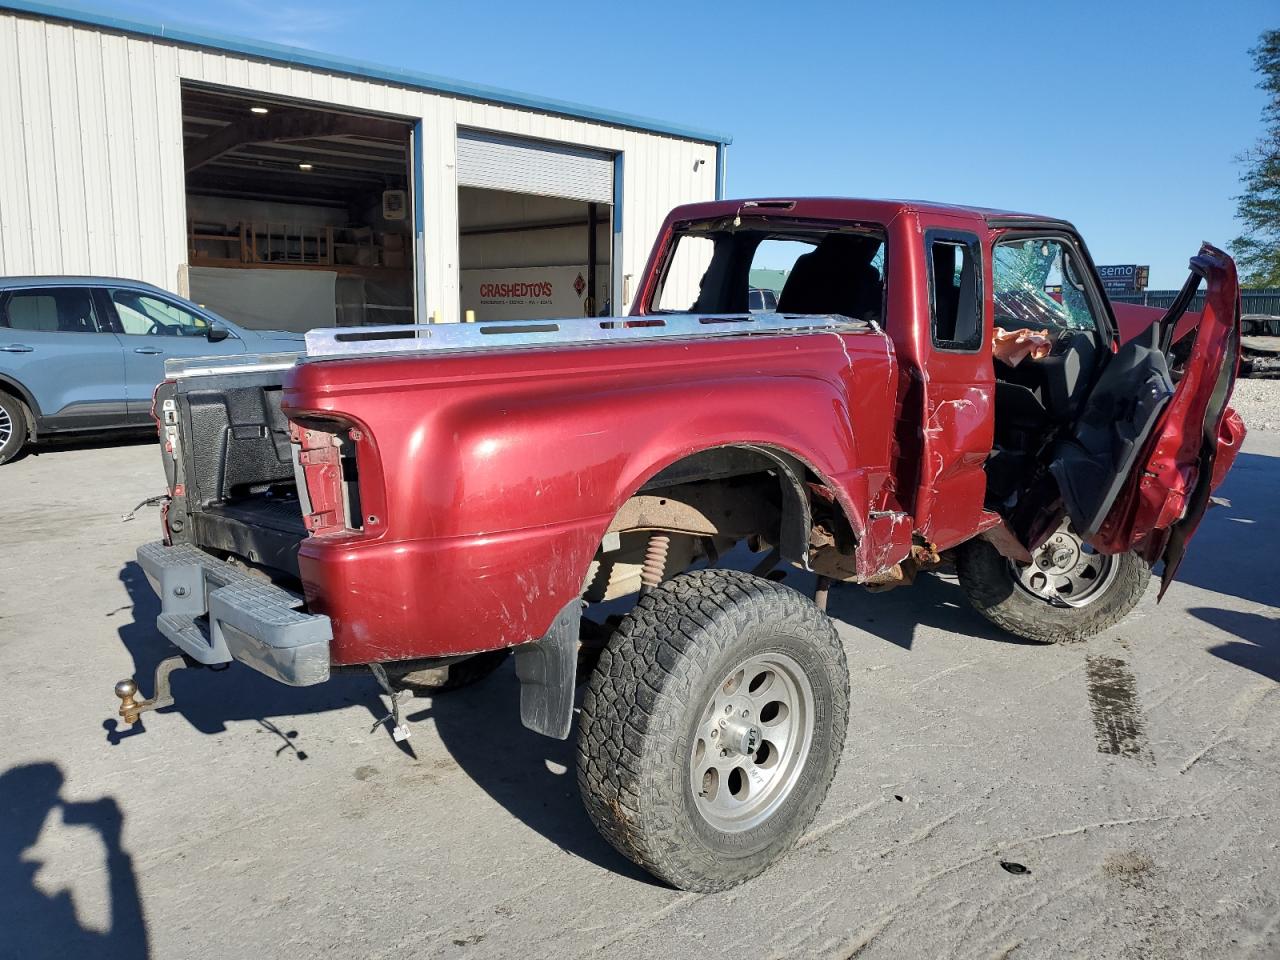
(529,257)
(298,216)
(535,228)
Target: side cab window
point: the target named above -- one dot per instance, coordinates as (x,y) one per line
(955,289)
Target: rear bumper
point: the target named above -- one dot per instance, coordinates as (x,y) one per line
(216,613)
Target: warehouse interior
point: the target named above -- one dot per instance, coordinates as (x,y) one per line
(525,255)
(298,216)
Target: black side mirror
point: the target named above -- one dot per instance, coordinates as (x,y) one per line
(217,333)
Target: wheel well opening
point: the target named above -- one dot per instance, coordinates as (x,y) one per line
(705,503)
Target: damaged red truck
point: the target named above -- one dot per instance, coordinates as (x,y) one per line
(419,501)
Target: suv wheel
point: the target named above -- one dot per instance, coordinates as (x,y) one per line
(1069,591)
(712,727)
(13,427)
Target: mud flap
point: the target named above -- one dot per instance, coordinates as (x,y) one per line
(547,670)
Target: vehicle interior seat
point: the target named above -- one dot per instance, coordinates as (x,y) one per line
(75,312)
(1060,382)
(836,277)
(36,313)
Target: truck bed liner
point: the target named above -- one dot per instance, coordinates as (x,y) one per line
(262,530)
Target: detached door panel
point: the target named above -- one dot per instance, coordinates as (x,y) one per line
(1170,437)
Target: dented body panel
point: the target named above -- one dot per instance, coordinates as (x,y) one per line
(488,480)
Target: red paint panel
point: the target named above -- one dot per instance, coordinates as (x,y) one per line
(1133,318)
(493,476)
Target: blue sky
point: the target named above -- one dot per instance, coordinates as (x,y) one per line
(1123,117)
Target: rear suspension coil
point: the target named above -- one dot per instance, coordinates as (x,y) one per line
(655,562)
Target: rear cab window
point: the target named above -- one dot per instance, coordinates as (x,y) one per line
(765,264)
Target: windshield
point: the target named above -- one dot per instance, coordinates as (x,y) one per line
(793,268)
(1036,285)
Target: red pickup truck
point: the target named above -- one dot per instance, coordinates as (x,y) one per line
(938,385)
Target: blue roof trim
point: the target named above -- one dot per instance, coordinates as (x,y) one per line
(302,57)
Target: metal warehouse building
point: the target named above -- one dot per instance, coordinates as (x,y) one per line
(286,188)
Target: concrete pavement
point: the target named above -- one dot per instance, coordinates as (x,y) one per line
(1116,798)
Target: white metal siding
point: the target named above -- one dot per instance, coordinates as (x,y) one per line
(91,165)
(497,162)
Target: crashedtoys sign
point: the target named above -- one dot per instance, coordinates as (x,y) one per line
(524,293)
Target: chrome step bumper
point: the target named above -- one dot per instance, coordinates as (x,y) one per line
(217,613)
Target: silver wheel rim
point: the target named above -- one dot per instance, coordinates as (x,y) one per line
(6,426)
(751,742)
(1065,571)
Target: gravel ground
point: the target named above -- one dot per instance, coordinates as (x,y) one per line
(1258,402)
(1109,799)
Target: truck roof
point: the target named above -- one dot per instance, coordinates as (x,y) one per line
(853,208)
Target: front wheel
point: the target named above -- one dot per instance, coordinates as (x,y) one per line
(1069,591)
(712,727)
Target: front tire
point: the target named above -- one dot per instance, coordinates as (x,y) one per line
(1067,593)
(712,727)
(13,427)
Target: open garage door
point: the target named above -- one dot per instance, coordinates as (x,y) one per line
(298,213)
(534,228)
(528,257)
(495,162)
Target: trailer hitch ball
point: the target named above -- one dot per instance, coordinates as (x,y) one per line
(127,691)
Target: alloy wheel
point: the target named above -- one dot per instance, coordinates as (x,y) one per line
(751,742)
(1066,571)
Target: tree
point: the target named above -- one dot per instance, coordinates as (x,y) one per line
(1257,249)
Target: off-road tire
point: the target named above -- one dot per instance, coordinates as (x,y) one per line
(454,676)
(989,583)
(15,417)
(646,698)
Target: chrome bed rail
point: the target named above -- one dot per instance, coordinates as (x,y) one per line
(179,368)
(334,343)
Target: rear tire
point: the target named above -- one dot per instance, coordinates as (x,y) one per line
(997,591)
(13,427)
(720,671)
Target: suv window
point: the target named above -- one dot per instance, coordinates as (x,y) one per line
(52,311)
(955,290)
(144,315)
(1037,285)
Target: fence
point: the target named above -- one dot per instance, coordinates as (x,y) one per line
(1265,301)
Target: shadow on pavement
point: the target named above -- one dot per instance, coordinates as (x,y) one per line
(533,777)
(1223,555)
(43,924)
(931,601)
(208,698)
(1258,648)
(72,442)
